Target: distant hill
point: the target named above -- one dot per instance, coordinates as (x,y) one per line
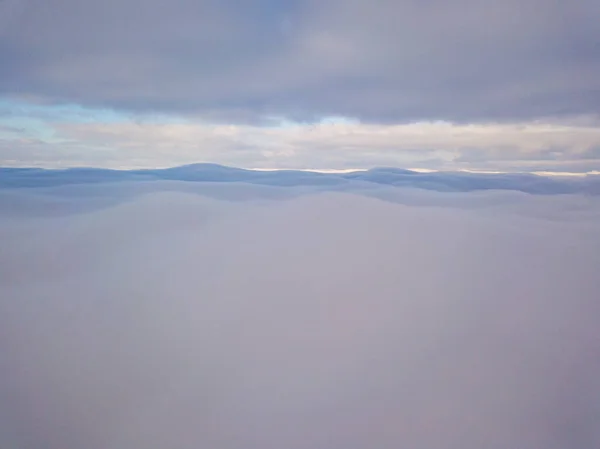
(438,181)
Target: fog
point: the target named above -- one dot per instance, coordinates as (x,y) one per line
(172,315)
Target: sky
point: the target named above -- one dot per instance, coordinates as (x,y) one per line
(330,84)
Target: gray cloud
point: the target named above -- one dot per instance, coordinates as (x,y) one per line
(330,320)
(244,60)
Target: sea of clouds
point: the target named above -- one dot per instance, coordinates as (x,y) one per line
(168,314)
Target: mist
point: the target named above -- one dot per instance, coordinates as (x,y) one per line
(253,317)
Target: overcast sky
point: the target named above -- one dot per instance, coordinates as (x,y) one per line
(508,86)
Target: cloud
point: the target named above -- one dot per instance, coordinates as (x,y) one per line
(172,319)
(385,61)
(447,85)
(532,146)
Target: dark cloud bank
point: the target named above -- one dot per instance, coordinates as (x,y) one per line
(243,61)
(155,314)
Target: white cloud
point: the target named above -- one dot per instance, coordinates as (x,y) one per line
(332,320)
(331,144)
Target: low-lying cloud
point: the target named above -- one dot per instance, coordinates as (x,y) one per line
(524,146)
(244,317)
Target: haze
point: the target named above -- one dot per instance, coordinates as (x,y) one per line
(174,318)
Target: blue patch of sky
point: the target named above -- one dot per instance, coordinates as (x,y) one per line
(19,119)
(280,122)
(71,113)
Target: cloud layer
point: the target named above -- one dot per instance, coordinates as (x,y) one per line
(100,141)
(460,84)
(390,61)
(157,318)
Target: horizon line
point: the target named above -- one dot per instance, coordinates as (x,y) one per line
(546,173)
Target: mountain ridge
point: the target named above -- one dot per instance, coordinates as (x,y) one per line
(23,177)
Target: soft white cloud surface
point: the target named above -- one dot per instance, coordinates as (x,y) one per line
(172,319)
